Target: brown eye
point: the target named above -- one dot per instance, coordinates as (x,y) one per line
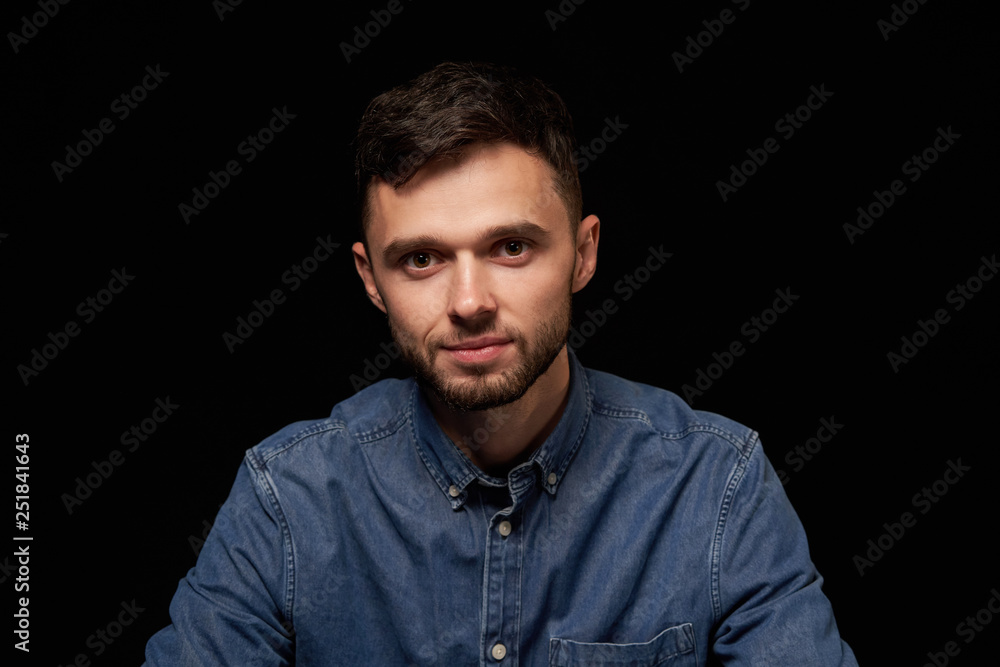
(421,260)
(514,248)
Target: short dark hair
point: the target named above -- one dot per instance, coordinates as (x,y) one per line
(441,111)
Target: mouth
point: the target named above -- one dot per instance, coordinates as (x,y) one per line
(478,350)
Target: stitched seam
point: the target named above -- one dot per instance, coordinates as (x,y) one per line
(382,432)
(641,416)
(264,481)
(731,488)
(315,429)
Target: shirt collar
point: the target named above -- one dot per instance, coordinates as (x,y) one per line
(453,471)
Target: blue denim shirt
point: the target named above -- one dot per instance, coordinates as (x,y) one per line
(640,533)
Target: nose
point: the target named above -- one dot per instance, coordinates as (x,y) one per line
(471,294)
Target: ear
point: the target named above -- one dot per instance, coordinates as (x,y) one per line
(364,267)
(587,236)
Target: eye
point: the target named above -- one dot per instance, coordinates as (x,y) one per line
(513,248)
(419,260)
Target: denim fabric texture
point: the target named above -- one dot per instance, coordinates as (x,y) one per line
(641,532)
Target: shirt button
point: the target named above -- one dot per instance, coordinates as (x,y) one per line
(552,478)
(453,491)
(499,651)
(504,529)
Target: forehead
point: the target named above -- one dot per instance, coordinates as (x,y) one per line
(489,184)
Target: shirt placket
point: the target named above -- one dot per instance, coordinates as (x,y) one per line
(502,577)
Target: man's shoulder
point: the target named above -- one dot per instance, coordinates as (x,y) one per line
(373,412)
(664,411)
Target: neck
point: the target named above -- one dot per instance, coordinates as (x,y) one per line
(498,439)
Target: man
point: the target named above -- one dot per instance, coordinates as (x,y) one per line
(506,506)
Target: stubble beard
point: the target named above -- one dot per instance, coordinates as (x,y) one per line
(480,388)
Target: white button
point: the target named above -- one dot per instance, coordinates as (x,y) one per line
(499,651)
(453,491)
(504,529)
(552,478)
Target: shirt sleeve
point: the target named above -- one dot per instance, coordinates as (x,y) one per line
(233,607)
(766,592)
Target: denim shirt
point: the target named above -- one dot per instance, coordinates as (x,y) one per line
(641,532)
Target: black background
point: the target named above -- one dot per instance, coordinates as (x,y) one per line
(136,534)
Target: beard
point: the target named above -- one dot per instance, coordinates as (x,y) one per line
(481,389)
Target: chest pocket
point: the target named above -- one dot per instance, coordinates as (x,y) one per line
(674,647)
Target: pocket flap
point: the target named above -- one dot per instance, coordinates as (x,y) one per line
(674,646)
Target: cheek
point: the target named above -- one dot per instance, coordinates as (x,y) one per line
(412,309)
(539,295)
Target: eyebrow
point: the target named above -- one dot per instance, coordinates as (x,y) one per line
(404,246)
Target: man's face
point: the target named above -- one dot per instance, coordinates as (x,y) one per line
(473,263)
